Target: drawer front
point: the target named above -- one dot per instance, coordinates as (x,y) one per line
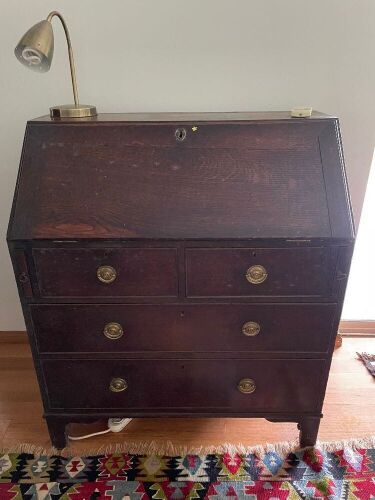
(230,272)
(287,386)
(107,272)
(184,327)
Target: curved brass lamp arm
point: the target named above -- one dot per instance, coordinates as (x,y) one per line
(70,52)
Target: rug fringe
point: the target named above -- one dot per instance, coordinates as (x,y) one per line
(170,449)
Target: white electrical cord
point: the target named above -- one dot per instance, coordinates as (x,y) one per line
(78,438)
(114,425)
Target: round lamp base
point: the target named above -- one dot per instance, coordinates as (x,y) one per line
(72,111)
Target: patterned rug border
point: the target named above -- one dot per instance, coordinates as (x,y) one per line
(170,449)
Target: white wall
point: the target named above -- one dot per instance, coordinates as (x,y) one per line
(360,297)
(206,55)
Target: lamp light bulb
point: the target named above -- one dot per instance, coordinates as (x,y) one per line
(31,56)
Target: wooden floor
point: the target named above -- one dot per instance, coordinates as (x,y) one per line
(349,409)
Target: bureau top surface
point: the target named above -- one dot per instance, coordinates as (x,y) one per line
(182,176)
(185,117)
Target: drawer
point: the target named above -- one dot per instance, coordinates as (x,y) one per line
(107,272)
(280,385)
(231,272)
(184,327)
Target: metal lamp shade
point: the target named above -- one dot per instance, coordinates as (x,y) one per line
(35,49)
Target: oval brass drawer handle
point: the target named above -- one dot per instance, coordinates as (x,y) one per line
(118,385)
(246,386)
(251,328)
(256,274)
(106,274)
(113,331)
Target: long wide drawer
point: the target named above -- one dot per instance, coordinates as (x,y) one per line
(106,272)
(232,385)
(230,272)
(183,327)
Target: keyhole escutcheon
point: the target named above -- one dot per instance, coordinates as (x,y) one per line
(180,134)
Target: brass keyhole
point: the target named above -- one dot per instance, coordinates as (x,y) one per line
(180,134)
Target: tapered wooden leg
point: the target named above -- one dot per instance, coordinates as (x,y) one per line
(56,429)
(309,428)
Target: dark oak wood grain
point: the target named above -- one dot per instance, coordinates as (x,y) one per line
(183,327)
(73,272)
(181,205)
(290,271)
(225,180)
(164,385)
(309,428)
(21,270)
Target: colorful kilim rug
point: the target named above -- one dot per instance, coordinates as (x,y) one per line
(347,473)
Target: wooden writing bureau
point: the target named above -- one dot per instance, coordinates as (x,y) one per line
(182,264)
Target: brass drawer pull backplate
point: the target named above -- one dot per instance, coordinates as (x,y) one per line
(256,274)
(118,385)
(106,274)
(246,386)
(251,328)
(113,331)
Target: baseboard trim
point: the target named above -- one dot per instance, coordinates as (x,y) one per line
(13,336)
(350,328)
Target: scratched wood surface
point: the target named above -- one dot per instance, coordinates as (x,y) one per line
(175,208)
(148,328)
(240,180)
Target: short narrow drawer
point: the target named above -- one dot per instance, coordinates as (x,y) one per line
(227,385)
(184,327)
(230,272)
(107,272)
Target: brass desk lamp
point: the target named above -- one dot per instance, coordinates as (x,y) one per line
(35,50)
